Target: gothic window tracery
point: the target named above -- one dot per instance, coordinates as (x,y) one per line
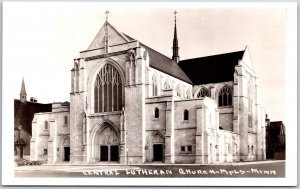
(203,92)
(189,94)
(178,91)
(108,92)
(66,141)
(225,97)
(167,85)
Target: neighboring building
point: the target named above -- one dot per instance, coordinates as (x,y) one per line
(131,104)
(275,140)
(23,114)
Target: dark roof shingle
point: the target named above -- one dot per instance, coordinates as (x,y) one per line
(211,69)
(163,63)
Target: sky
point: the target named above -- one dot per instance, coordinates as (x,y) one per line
(40,41)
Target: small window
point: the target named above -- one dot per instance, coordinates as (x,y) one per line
(45,151)
(46,125)
(248,149)
(178,91)
(156,113)
(189,148)
(182,148)
(252,149)
(66,120)
(185,115)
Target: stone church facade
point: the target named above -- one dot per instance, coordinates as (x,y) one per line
(130,104)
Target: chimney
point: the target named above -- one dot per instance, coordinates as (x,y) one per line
(33,99)
(267,120)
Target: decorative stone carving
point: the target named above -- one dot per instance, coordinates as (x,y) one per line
(108,136)
(131,54)
(76,66)
(122,124)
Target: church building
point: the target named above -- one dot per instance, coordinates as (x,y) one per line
(24,111)
(130,104)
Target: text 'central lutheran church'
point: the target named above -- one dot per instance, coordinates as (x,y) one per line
(130,104)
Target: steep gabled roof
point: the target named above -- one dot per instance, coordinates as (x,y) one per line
(166,65)
(157,60)
(163,63)
(114,37)
(211,69)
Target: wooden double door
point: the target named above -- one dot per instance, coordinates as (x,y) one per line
(109,153)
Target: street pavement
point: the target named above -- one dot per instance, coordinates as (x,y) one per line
(257,169)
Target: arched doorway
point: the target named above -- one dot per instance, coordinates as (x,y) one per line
(157,146)
(66,149)
(106,144)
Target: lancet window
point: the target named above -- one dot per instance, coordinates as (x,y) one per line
(108,90)
(225,96)
(203,92)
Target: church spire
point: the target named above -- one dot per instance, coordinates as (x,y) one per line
(175,56)
(23,94)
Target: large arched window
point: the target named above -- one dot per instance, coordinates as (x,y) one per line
(108,90)
(189,94)
(203,92)
(167,85)
(154,86)
(178,90)
(225,96)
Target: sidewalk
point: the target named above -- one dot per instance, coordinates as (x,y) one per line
(67,166)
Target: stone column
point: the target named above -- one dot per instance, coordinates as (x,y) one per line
(135,112)
(34,142)
(52,141)
(169,137)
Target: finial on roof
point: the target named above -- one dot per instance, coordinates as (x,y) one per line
(175,56)
(106,12)
(106,34)
(23,94)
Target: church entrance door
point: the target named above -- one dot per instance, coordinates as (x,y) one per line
(158,152)
(114,153)
(67,153)
(103,153)
(106,144)
(21,151)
